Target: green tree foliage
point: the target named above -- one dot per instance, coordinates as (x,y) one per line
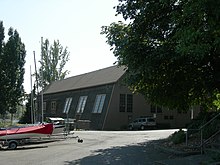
(26,117)
(12,60)
(217,101)
(3,99)
(171,49)
(54,60)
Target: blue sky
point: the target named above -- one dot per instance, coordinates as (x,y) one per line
(75,23)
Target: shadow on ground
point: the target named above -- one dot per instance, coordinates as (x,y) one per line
(143,153)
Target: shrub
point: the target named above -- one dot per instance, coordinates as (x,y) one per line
(178,137)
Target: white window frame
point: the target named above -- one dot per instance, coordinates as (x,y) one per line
(99,103)
(81,104)
(67,105)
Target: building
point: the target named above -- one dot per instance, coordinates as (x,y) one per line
(101,99)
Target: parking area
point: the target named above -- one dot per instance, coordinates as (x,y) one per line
(98,147)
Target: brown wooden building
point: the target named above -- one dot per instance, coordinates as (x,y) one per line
(101,98)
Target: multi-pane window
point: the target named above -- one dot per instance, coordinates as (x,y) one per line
(53,107)
(81,104)
(169,117)
(67,105)
(129,103)
(126,103)
(99,102)
(155,109)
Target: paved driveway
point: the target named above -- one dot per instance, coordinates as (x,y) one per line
(99,147)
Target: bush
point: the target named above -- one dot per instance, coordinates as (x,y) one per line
(178,137)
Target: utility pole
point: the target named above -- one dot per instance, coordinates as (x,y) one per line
(32,121)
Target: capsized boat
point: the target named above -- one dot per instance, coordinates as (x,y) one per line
(26,132)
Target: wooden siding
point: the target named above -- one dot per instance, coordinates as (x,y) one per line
(111,118)
(96,119)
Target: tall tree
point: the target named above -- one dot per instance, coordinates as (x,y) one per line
(2,36)
(54,60)
(2,72)
(12,62)
(171,49)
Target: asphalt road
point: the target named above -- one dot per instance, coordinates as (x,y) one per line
(98,147)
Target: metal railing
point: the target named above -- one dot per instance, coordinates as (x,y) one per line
(201,129)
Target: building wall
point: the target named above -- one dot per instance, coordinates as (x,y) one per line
(111,118)
(95,118)
(165,118)
(117,120)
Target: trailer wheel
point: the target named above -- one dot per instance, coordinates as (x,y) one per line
(12,145)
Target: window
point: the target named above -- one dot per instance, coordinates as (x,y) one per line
(129,103)
(53,107)
(180,112)
(142,120)
(81,104)
(67,105)
(168,117)
(155,109)
(122,103)
(99,102)
(126,103)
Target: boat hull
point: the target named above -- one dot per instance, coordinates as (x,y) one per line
(26,132)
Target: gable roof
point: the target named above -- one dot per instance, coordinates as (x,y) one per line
(99,77)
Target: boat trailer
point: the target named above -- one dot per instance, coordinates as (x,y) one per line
(13,143)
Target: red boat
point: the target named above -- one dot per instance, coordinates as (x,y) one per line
(26,132)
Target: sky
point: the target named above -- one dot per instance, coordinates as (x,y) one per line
(75,23)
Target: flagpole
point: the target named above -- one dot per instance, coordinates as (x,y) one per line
(42,80)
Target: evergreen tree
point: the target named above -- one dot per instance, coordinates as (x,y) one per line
(3,91)
(12,60)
